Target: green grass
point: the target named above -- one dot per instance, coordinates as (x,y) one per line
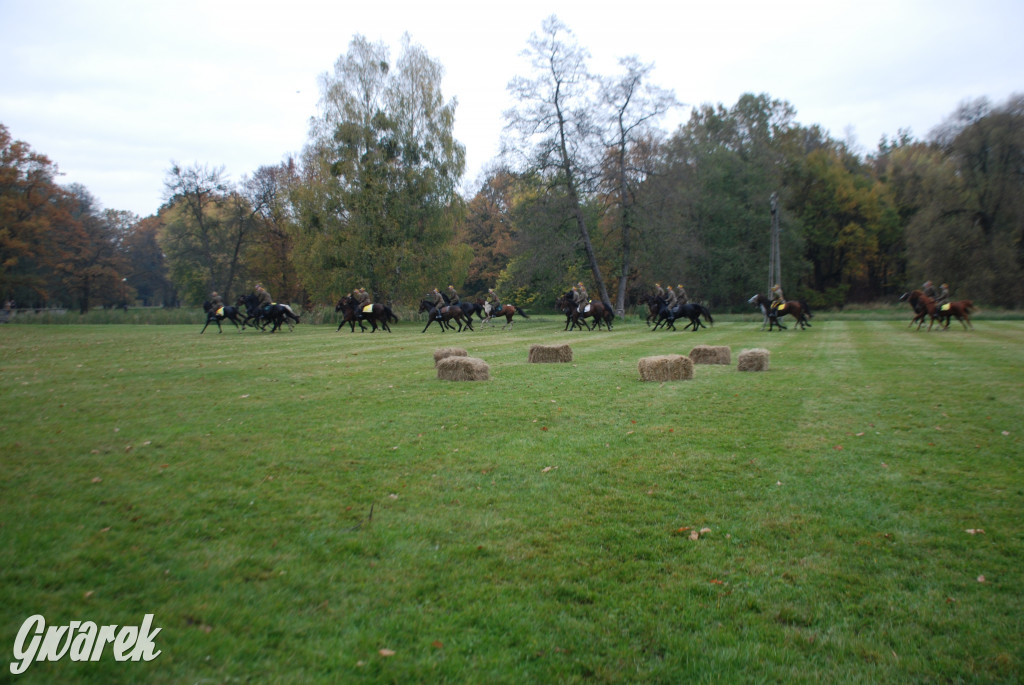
(225,483)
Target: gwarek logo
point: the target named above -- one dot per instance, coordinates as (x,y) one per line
(81,641)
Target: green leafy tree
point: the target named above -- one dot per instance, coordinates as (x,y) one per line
(387,166)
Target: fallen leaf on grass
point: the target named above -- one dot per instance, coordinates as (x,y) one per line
(97,479)
(386,652)
(694,535)
(981,579)
(437,644)
(976,531)
(716,581)
(548,468)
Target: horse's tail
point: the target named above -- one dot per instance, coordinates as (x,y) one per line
(707,314)
(807,310)
(391,318)
(521,312)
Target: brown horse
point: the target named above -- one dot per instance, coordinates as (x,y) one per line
(798,309)
(601,311)
(506,310)
(923,306)
(375,314)
(446,314)
(960,309)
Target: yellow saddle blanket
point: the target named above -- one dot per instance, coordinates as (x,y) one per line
(220,311)
(945,307)
(368,308)
(781,307)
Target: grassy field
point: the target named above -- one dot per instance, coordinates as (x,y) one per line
(317,506)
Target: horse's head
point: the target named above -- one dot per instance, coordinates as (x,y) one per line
(904,296)
(425,306)
(207,306)
(756,299)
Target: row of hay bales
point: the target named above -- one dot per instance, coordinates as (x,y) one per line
(678,367)
(455,364)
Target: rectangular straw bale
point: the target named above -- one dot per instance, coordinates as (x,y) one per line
(753,360)
(445,352)
(666,367)
(548,354)
(463,369)
(711,354)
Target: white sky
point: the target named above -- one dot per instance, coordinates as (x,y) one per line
(113,91)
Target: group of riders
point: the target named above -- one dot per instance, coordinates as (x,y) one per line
(262,310)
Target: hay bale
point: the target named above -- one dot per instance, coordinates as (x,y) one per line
(711,354)
(546,354)
(463,369)
(753,360)
(446,352)
(666,367)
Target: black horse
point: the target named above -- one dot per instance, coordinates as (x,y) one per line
(690,310)
(444,315)
(375,313)
(276,314)
(218,314)
(602,312)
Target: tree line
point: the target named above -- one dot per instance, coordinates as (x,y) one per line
(588,188)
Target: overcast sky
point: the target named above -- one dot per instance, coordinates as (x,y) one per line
(113,92)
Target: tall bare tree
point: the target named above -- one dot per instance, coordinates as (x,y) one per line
(554,122)
(633,106)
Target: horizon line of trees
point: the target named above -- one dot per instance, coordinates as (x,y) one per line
(587,188)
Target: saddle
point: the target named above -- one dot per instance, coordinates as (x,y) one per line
(219,311)
(781,307)
(945,307)
(367,308)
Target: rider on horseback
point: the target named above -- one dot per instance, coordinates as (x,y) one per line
(438,303)
(264,299)
(672,299)
(943,294)
(777,297)
(580,296)
(362,299)
(216,301)
(453,297)
(681,294)
(492,299)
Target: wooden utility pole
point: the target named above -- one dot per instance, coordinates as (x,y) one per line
(775,259)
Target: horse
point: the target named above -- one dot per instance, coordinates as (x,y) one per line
(444,315)
(961,309)
(219,314)
(506,310)
(375,313)
(276,314)
(601,311)
(654,305)
(798,309)
(471,308)
(923,306)
(689,310)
